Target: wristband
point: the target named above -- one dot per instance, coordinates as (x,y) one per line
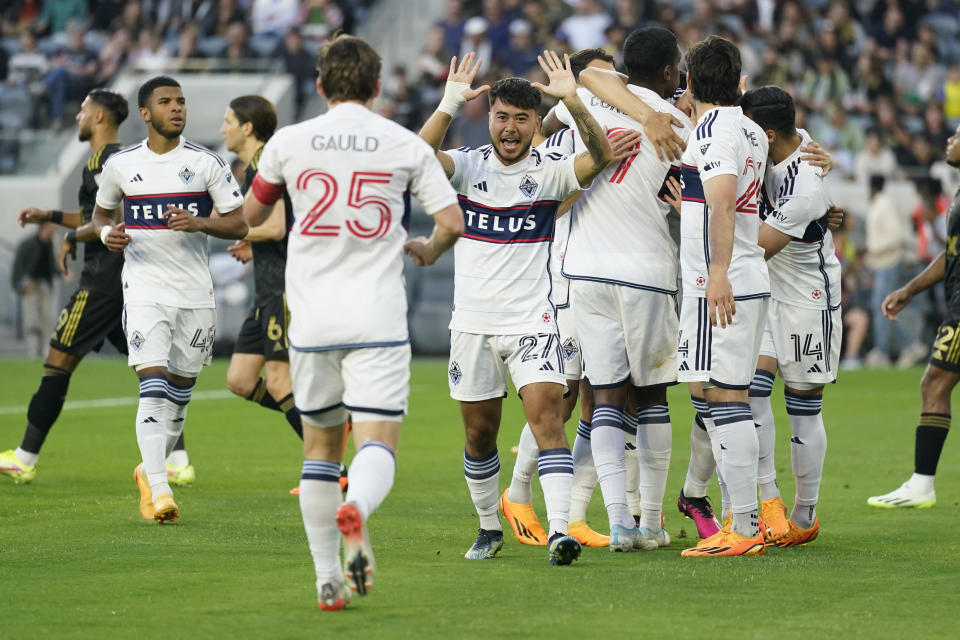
(56,216)
(453,97)
(71,236)
(103,233)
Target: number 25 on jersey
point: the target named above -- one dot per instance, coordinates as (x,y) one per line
(373,217)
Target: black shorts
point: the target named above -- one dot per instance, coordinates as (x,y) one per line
(946,346)
(264,332)
(86,321)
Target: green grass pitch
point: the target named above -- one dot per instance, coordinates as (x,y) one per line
(77,561)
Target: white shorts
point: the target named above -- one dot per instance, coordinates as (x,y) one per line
(569,345)
(373,383)
(160,336)
(804,341)
(725,357)
(625,334)
(480,364)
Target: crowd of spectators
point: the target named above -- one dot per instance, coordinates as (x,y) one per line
(877,82)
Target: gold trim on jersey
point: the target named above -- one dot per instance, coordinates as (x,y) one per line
(70,329)
(255,160)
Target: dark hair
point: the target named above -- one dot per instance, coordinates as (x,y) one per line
(349,68)
(259,112)
(876,182)
(647,52)
(581,59)
(771,108)
(114,103)
(147,88)
(516,92)
(714,68)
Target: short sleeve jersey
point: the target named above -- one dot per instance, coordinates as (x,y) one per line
(162,265)
(101,268)
(561,144)
(349,173)
(725,142)
(269,256)
(806,271)
(502,283)
(619,231)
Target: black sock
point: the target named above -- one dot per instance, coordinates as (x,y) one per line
(293,416)
(179,445)
(261,397)
(45,408)
(931,433)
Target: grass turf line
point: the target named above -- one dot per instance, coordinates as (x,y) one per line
(76,560)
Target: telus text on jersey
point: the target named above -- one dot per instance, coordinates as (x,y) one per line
(343,142)
(487,222)
(154,211)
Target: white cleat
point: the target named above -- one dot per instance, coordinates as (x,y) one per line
(629,539)
(905,497)
(659,536)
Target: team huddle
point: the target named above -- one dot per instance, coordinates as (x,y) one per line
(569,281)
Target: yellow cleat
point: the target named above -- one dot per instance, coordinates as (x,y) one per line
(146,495)
(582,533)
(797,536)
(10,465)
(183,476)
(726,543)
(165,509)
(774,515)
(523,520)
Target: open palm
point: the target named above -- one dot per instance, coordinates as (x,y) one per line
(562,83)
(465,72)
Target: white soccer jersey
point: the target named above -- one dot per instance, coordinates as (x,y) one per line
(561,143)
(806,272)
(502,262)
(162,265)
(348,173)
(726,143)
(619,232)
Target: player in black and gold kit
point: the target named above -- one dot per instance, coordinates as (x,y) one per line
(943,370)
(94,313)
(262,344)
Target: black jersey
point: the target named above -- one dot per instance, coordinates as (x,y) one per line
(952,267)
(269,257)
(101,268)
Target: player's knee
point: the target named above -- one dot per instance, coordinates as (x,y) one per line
(240,383)
(61,360)
(936,385)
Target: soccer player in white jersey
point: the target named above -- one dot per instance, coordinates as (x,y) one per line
(504,320)
(726,288)
(623,266)
(348,173)
(168,188)
(804,330)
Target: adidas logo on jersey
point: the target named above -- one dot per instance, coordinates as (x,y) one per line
(815,369)
(684,366)
(546,366)
(481,186)
(136,178)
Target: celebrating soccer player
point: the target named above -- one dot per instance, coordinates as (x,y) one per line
(168,188)
(348,173)
(504,321)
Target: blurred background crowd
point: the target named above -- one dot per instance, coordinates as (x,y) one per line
(877,82)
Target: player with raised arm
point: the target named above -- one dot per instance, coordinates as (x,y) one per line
(943,370)
(726,288)
(504,321)
(348,173)
(248,123)
(164,189)
(93,313)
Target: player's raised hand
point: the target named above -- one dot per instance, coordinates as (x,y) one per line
(674,194)
(834,217)
(894,303)
(421,251)
(720,302)
(67,248)
(241,251)
(818,157)
(182,220)
(562,83)
(116,239)
(625,143)
(668,143)
(465,73)
(32,215)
